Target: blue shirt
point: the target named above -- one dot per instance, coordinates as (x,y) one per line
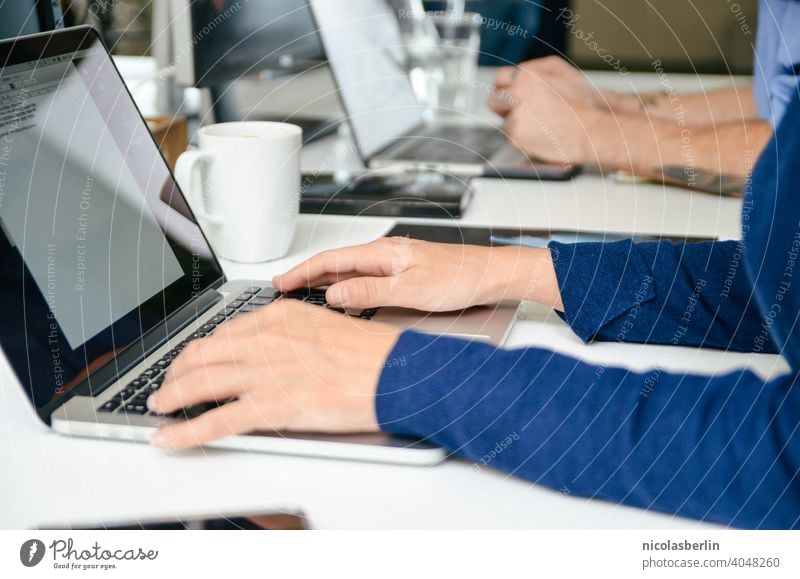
(722,448)
(777,61)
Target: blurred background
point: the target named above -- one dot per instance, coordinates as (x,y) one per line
(198,60)
(686,35)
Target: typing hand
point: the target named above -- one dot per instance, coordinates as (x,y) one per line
(288,366)
(426,276)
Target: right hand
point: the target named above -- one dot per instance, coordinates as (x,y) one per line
(426,276)
(553,72)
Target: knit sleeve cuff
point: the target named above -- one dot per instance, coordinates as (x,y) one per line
(600,282)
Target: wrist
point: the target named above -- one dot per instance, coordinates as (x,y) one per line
(522,273)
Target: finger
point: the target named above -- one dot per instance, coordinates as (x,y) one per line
(192,388)
(363,292)
(330,278)
(501,102)
(369,259)
(233,418)
(219,348)
(505,76)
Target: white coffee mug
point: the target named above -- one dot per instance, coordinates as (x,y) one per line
(243,184)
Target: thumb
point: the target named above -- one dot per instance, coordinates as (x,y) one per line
(360,292)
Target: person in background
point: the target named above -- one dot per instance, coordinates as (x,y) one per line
(723,448)
(516,30)
(553,113)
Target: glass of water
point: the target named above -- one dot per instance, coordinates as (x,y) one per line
(442,58)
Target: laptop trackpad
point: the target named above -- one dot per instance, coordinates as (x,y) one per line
(488,324)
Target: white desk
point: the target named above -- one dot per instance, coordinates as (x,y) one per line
(52,480)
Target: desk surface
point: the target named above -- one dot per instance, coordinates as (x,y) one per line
(54,480)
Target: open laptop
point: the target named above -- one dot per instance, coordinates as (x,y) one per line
(106,275)
(366,54)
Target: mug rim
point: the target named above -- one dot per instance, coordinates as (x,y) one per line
(291,130)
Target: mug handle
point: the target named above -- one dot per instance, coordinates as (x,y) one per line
(189,164)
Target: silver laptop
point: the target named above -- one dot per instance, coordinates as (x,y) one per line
(365,51)
(106,275)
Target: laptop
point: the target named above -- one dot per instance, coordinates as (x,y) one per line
(106,275)
(366,55)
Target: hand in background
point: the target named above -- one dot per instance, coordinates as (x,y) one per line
(549,109)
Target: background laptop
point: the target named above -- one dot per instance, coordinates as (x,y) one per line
(365,50)
(105,275)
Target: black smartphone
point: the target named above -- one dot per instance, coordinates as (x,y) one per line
(396,193)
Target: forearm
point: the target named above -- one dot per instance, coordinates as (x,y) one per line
(726,105)
(682,294)
(642,145)
(722,449)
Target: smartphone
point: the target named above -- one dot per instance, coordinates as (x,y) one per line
(389,193)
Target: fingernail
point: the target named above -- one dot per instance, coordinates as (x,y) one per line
(152,403)
(161,440)
(340,295)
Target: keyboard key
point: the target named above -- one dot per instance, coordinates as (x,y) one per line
(244,296)
(151,372)
(109,406)
(217,320)
(368,314)
(253,289)
(135,408)
(269,293)
(228,312)
(208,328)
(260,301)
(248,309)
(124,394)
(194,411)
(236,304)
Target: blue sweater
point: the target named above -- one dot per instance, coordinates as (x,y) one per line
(724,448)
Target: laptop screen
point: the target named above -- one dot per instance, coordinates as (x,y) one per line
(97,246)
(366,55)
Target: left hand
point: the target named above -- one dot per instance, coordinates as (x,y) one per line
(290,365)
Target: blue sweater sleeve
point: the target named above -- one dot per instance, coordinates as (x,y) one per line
(684,294)
(724,449)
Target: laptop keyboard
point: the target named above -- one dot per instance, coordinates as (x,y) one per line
(132,399)
(453,144)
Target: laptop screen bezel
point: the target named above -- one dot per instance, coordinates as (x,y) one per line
(174,299)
